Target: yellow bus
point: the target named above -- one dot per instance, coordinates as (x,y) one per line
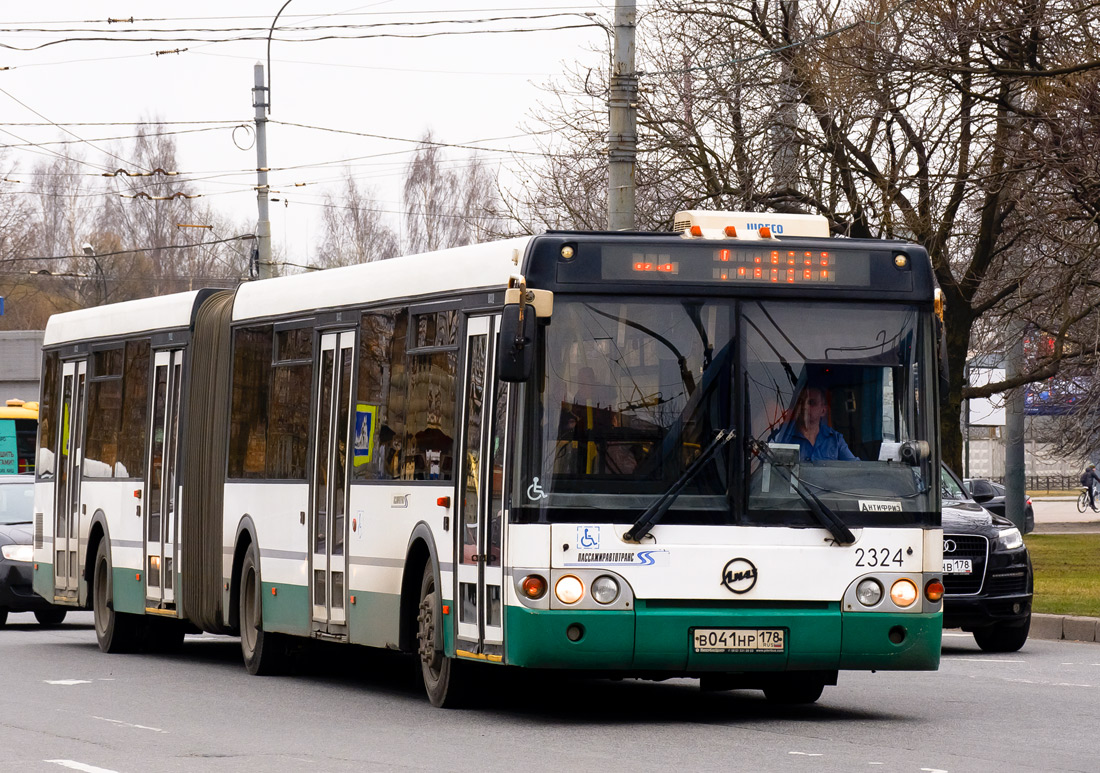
(18,433)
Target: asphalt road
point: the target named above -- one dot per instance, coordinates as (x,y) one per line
(64,705)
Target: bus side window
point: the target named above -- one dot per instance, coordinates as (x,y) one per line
(379,402)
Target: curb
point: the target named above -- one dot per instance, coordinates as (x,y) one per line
(1064,628)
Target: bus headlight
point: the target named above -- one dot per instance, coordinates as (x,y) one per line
(605,589)
(869,592)
(569,589)
(903,592)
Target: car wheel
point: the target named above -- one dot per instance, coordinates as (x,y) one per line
(1003,637)
(50,616)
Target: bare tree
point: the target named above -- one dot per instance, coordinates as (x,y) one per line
(446,207)
(354,228)
(921,120)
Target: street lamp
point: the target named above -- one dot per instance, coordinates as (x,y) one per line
(89,251)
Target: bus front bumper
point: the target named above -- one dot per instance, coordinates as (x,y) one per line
(656,638)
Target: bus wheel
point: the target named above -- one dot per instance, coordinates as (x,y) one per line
(115,631)
(53,616)
(441,676)
(263,652)
(794,691)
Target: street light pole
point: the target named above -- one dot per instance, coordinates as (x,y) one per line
(89,251)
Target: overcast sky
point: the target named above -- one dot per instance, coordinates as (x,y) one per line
(471,89)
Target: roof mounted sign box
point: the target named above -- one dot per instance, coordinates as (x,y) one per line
(749,225)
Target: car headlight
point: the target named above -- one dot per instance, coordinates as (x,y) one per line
(17,552)
(1010,539)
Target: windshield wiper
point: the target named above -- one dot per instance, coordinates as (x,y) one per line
(655,511)
(840,531)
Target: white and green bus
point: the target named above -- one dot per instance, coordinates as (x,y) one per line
(582,451)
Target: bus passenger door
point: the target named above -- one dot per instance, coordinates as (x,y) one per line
(331,438)
(480,503)
(160,480)
(66,532)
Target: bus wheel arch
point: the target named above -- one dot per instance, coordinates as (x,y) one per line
(97,532)
(245,538)
(420,553)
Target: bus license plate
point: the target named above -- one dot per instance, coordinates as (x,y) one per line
(957,566)
(739,639)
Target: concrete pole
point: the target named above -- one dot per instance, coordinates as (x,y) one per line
(622,139)
(263,224)
(1015,482)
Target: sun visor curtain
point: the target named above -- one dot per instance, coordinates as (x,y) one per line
(204,449)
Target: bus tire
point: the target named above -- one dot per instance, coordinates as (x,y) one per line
(48,617)
(790,691)
(264,652)
(442,677)
(115,631)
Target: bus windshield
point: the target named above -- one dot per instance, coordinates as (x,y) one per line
(830,397)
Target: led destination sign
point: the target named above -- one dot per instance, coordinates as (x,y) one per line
(752,265)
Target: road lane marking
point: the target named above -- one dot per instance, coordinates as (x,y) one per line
(80,766)
(983,660)
(128,724)
(67,682)
(807,754)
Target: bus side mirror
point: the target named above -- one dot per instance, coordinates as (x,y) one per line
(516,350)
(944,371)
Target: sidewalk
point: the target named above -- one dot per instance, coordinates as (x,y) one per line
(1058,515)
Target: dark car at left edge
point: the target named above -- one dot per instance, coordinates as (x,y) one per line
(16,549)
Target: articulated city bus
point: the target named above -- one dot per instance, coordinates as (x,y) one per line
(709,454)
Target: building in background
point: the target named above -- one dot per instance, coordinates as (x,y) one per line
(20,364)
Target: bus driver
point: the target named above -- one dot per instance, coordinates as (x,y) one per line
(808,428)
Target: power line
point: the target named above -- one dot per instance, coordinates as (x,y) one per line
(317,39)
(130,250)
(67,131)
(422,141)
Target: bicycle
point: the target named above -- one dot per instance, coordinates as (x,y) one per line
(1083,501)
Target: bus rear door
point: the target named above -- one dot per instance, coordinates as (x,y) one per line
(160,482)
(331,438)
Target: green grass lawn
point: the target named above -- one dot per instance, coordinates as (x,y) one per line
(1067,573)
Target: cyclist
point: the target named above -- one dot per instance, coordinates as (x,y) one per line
(1089,479)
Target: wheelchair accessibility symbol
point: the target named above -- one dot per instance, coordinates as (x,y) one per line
(535,492)
(588,537)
